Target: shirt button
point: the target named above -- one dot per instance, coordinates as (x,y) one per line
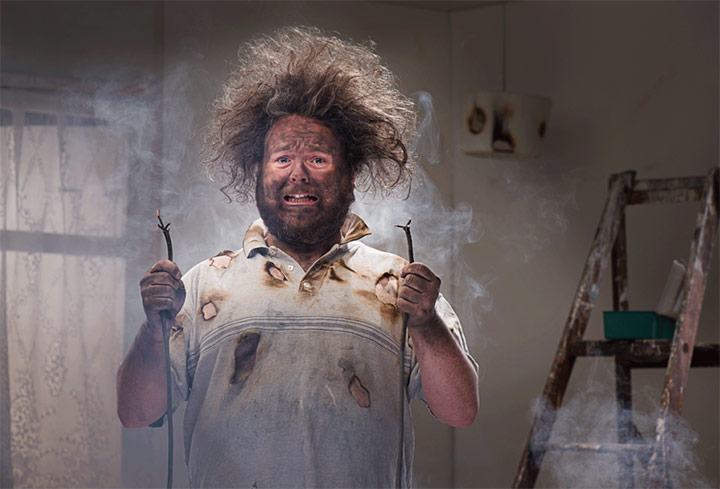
(290,267)
(273,253)
(307,285)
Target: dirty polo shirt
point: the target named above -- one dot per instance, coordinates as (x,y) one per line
(291,377)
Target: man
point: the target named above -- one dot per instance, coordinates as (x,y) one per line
(287,351)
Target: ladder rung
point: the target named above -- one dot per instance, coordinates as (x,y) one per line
(644,353)
(593,447)
(668,190)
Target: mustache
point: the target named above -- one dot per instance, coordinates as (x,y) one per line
(298,189)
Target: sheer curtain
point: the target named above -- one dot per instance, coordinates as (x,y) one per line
(63,199)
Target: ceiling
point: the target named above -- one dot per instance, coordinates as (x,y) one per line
(445,5)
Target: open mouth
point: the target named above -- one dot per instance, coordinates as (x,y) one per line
(300,199)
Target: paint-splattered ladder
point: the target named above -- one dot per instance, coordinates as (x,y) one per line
(678,355)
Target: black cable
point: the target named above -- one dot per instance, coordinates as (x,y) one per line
(403,339)
(164,317)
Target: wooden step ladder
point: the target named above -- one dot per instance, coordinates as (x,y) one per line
(678,355)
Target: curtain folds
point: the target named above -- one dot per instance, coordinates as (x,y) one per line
(63,198)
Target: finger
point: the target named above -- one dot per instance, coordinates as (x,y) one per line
(160,304)
(150,289)
(166,266)
(411,286)
(411,296)
(180,297)
(410,308)
(160,290)
(406,306)
(419,269)
(419,284)
(160,278)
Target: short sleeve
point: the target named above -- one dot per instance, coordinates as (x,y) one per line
(446,312)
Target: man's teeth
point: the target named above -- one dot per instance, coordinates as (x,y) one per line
(300,198)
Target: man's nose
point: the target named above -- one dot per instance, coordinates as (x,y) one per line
(298,173)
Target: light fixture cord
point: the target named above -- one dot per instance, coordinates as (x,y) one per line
(504,47)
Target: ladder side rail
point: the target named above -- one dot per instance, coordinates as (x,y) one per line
(557,381)
(623,373)
(619,268)
(685,332)
(625,424)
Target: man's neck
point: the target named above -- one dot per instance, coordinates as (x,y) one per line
(304,254)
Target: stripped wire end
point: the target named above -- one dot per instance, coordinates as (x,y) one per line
(165,228)
(408,236)
(406,226)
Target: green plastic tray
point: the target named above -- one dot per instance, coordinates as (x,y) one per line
(620,325)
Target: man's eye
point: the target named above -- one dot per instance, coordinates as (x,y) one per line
(283,159)
(318,160)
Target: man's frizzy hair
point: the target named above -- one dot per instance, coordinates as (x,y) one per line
(301,70)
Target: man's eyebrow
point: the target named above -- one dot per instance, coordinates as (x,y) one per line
(319,147)
(285,147)
(314,146)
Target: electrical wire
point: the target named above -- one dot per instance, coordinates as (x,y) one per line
(403,340)
(165,318)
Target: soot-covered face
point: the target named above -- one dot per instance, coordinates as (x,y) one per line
(304,188)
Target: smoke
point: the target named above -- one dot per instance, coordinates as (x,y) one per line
(535,208)
(426,144)
(440,232)
(206,222)
(592,417)
(159,125)
(439,235)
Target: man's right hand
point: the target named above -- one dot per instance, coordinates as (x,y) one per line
(161,290)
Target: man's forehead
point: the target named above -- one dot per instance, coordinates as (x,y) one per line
(294,130)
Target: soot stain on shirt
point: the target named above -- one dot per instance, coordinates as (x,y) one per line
(386,291)
(355,387)
(386,288)
(210,304)
(334,276)
(209,311)
(180,321)
(222,259)
(367,295)
(245,350)
(359,392)
(390,313)
(275,277)
(341,263)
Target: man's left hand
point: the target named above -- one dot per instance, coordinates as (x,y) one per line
(418,293)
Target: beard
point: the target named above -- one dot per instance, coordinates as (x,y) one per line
(305,226)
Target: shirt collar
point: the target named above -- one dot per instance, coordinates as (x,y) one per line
(353,229)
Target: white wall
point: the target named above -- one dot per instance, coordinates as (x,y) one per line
(634,86)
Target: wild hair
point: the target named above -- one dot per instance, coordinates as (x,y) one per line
(303,71)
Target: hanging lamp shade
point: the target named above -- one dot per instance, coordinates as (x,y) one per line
(505,125)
